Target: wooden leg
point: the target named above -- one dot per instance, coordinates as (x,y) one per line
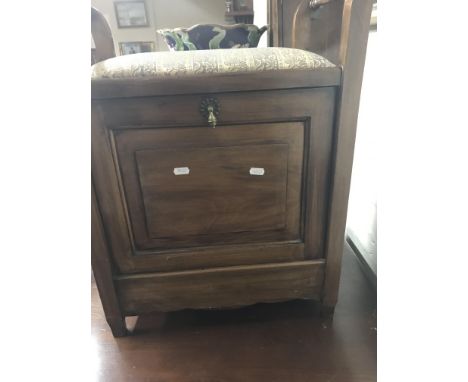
(327,310)
(102,269)
(117,325)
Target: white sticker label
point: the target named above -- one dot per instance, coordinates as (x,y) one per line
(257,171)
(181,171)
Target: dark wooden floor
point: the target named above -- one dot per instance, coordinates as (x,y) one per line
(285,342)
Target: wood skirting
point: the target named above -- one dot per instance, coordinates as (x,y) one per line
(220,287)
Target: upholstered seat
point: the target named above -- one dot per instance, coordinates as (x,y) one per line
(207,62)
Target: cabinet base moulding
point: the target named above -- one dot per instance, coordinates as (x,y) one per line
(220,287)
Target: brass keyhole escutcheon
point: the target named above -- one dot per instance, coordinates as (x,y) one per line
(209,108)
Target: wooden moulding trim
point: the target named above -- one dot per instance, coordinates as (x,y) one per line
(143,87)
(220,287)
(216,256)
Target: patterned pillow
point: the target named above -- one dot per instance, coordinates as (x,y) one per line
(213,36)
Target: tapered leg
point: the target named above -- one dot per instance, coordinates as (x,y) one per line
(102,269)
(117,325)
(327,311)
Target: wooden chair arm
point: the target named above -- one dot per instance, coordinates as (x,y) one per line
(102,35)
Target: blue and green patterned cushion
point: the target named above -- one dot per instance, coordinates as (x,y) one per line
(213,36)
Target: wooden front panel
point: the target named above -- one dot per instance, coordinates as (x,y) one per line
(277,217)
(206,191)
(218,201)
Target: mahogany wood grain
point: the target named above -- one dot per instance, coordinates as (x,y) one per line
(220,287)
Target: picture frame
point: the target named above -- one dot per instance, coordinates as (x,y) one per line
(132,47)
(131,14)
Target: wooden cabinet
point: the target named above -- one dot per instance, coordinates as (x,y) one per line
(199,217)
(185,215)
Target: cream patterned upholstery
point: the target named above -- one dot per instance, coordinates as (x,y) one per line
(206,63)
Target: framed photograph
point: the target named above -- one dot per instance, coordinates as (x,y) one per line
(131,14)
(136,47)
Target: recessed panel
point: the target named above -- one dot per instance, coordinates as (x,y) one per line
(212,190)
(190,187)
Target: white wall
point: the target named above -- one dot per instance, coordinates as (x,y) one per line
(261,19)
